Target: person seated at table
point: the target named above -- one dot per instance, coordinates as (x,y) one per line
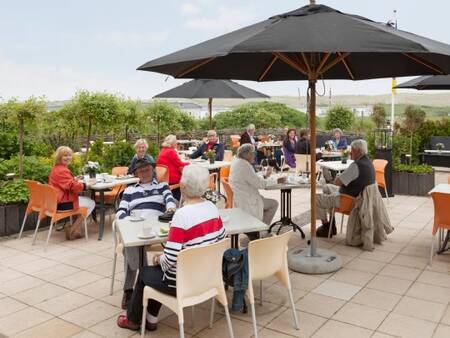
(68,187)
(197,223)
(169,157)
(289,147)
(245,183)
(141,147)
(211,144)
(303,146)
(249,135)
(339,140)
(149,198)
(352,181)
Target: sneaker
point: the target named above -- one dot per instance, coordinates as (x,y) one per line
(322,231)
(125,323)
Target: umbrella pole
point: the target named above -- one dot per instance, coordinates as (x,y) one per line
(312,148)
(210,112)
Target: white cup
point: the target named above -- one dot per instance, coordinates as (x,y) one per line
(147,230)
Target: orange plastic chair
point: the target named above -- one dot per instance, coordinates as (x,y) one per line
(380,165)
(162,175)
(110,196)
(441,203)
(228,193)
(225,173)
(345,208)
(49,209)
(35,201)
(212,181)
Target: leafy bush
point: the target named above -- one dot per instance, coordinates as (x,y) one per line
(340,117)
(379,115)
(9,145)
(416,169)
(431,128)
(117,155)
(153,149)
(77,164)
(34,168)
(96,151)
(13,192)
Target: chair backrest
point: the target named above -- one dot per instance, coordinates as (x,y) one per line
(266,256)
(212,181)
(228,156)
(379,166)
(346,203)
(50,202)
(162,173)
(302,163)
(441,203)
(199,269)
(228,193)
(36,196)
(225,172)
(118,171)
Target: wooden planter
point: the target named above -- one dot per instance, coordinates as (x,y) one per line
(11,217)
(404,183)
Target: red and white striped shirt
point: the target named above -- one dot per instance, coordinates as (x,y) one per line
(192,225)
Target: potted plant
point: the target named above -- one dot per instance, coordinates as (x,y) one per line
(91,168)
(211,155)
(344,156)
(440,146)
(415,180)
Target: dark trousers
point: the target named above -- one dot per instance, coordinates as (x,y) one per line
(148,276)
(176,193)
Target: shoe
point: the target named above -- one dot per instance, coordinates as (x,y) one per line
(126,298)
(151,326)
(334,230)
(322,231)
(125,323)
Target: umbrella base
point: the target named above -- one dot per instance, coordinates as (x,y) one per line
(325,261)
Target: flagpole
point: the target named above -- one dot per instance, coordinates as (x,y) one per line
(394,84)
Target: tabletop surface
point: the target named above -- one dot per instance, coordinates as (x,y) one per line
(235,221)
(335,165)
(113,183)
(442,188)
(209,166)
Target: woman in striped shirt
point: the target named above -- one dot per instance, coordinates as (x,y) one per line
(197,223)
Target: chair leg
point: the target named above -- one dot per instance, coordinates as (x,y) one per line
(192,316)
(331,222)
(255,329)
(294,313)
(260,292)
(85,230)
(23,226)
(35,231)
(211,315)
(113,274)
(342,223)
(387,196)
(144,317)
(181,324)
(432,249)
(227,315)
(49,233)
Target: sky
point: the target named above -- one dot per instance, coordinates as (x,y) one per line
(52,48)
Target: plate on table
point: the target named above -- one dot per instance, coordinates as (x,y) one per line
(142,236)
(123,177)
(136,219)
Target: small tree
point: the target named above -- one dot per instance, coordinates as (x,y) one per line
(23,113)
(129,117)
(339,117)
(413,117)
(379,115)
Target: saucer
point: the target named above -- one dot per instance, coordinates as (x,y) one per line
(136,219)
(142,236)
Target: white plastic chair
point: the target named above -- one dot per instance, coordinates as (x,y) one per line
(118,249)
(228,156)
(199,277)
(268,257)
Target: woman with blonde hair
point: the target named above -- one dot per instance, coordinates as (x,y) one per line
(169,157)
(68,188)
(141,147)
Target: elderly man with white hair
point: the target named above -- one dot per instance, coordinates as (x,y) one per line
(211,144)
(249,135)
(197,223)
(246,184)
(352,181)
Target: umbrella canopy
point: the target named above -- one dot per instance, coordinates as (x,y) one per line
(427,82)
(310,43)
(204,88)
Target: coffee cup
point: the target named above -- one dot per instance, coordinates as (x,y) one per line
(147,231)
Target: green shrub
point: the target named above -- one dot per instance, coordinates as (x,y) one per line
(34,168)
(13,192)
(9,145)
(416,169)
(117,155)
(77,164)
(153,149)
(340,117)
(96,151)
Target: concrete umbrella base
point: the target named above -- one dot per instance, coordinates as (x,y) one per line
(325,261)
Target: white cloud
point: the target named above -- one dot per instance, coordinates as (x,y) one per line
(189,8)
(132,39)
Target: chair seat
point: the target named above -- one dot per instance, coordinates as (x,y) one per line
(64,214)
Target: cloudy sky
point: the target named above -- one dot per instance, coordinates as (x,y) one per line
(54,47)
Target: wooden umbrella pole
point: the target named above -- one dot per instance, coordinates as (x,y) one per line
(312,148)
(210,112)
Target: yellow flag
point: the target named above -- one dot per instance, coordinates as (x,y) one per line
(394,84)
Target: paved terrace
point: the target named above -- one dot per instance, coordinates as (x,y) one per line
(390,292)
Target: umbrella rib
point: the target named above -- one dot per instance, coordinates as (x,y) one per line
(269,66)
(291,63)
(306,62)
(333,63)
(424,63)
(194,67)
(322,63)
(347,67)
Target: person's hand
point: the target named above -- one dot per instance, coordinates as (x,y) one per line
(91,182)
(171,209)
(281,180)
(156,258)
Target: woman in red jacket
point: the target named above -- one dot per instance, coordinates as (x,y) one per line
(68,188)
(169,157)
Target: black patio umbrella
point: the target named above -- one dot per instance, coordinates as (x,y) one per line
(427,83)
(310,43)
(209,89)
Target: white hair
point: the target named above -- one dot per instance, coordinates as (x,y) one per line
(245,150)
(141,141)
(195,180)
(211,133)
(169,141)
(251,126)
(360,145)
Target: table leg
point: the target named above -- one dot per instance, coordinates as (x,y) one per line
(101,225)
(286,220)
(235,241)
(443,248)
(218,181)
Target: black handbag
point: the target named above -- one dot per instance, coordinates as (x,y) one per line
(166,217)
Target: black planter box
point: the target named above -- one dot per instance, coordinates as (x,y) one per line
(412,184)
(11,218)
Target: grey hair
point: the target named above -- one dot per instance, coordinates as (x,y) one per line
(360,145)
(244,150)
(251,126)
(169,141)
(211,133)
(195,180)
(338,130)
(141,141)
